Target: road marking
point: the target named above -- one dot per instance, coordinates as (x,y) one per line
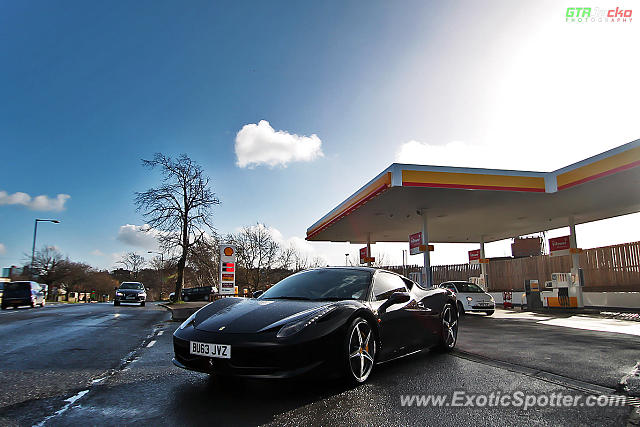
(160,333)
(70,401)
(151,343)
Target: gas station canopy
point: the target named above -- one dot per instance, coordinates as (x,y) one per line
(473,205)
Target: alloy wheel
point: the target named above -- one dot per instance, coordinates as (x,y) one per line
(362,350)
(449,327)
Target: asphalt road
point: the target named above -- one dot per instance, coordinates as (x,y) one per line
(581,347)
(49,353)
(103,365)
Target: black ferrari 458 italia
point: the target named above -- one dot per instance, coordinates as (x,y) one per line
(331,320)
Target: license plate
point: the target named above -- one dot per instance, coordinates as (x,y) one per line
(130,297)
(221,351)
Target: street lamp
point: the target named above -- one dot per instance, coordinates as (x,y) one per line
(161,270)
(35,231)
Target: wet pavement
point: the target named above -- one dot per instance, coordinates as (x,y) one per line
(126,377)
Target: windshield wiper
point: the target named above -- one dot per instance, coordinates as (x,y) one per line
(292,298)
(334,299)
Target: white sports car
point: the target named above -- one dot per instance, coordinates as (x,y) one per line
(471,297)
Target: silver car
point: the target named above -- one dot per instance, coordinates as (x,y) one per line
(471,297)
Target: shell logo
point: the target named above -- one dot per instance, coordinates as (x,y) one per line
(228,251)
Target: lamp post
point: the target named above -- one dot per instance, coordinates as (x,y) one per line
(35,231)
(161,270)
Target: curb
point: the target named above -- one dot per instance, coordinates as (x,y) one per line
(180,314)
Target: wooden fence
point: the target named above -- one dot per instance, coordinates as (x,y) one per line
(608,268)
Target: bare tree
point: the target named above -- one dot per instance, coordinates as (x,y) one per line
(300,261)
(382,260)
(203,260)
(181,207)
(132,262)
(257,252)
(318,261)
(287,257)
(48,264)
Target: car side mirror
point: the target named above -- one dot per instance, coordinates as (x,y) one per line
(395,298)
(115,289)
(256,294)
(148,289)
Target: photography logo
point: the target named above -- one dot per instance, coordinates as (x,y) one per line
(600,16)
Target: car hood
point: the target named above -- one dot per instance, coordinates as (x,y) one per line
(243,315)
(130,291)
(477,296)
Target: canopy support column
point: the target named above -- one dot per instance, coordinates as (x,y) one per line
(575,262)
(368,249)
(426,270)
(483,267)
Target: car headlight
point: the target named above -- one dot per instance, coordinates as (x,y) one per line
(189,320)
(119,294)
(295,327)
(469,299)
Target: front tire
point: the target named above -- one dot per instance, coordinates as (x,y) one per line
(142,304)
(116,303)
(360,349)
(449,329)
(460,309)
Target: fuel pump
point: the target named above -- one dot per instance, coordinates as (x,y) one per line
(565,290)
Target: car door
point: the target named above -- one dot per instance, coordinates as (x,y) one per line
(398,323)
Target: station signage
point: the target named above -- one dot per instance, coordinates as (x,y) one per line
(364,256)
(416,245)
(227,270)
(559,246)
(474,256)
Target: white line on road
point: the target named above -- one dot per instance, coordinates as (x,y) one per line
(160,333)
(70,401)
(151,343)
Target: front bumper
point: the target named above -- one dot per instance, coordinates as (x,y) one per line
(135,299)
(476,307)
(260,357)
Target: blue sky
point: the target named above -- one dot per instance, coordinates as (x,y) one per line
(90,88)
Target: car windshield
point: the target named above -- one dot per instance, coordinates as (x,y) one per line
(322,284)
(131,285)
(466,287)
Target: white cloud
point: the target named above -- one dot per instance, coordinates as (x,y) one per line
(139,235)
(3,249)
(38,203)
(97,252)
(261,144)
